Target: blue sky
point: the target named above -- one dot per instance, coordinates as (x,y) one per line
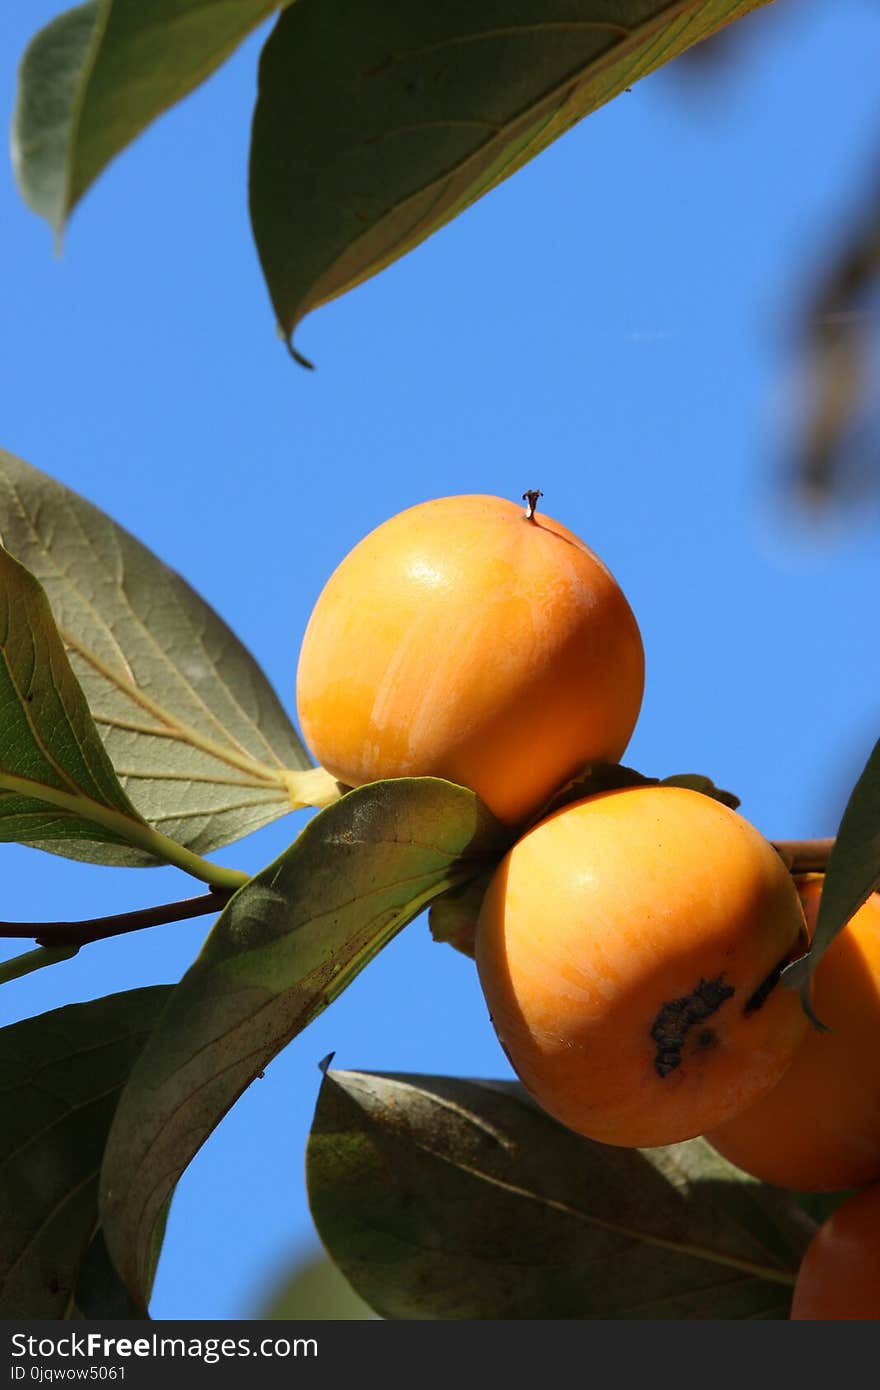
(615,325)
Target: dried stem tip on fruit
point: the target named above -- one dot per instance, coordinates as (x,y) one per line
(531,500)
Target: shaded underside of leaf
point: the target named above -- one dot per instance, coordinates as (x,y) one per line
(284,948)
(56,780)
(61,1074)
(97,75)
(197,735)
(452,918)
(610,777)
(377,123)
(443,1198)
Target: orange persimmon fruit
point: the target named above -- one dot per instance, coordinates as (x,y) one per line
(468,640)
(819,1129)
(839,1275)
(629,948)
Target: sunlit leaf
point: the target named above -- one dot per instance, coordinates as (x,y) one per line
(284,948)
(378,121)
(443,1198)
(196,734)
(97,75)
(60,1078)
(57,785)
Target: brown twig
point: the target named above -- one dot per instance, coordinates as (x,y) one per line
(99,928)
(805,856)
(800,857)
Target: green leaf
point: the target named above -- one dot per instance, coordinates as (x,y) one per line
(57,783)
(593,779)
(97,75)
(284,948)
(696,782)
(99,1291)
(452,918)
(197,735)
(377,123)
(853,874)
(443,1198)
(611,777)
(18,966)
(60,1078)
(315,1289)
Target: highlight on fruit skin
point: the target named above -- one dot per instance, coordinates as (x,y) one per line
(839,1275)
(629,948)
(818,1130)
(467,640)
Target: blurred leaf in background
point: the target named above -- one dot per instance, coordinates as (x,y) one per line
(314,1288)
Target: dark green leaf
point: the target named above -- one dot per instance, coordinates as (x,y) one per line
(285,947)
(99,1291)
(611,777)
(442,1198)
(60,1078)
(378,122)
(57,783)
(600,777)
(198,737)
(97,75)
(852,876)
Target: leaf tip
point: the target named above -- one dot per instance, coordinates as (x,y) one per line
(798,975)
(298,357)
(285,333)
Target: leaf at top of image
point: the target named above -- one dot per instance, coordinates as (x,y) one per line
(446,1198)
(100,73)
(61,1074)
(198,737)
(378,121)
(285,947)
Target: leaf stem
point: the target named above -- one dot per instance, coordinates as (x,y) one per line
(34,960)
(130,829)
(76,934)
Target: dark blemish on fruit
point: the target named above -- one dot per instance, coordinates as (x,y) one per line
(767,985)
(678,1016)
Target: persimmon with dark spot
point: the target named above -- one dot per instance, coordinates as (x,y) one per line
(629,947)
(819,1129)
